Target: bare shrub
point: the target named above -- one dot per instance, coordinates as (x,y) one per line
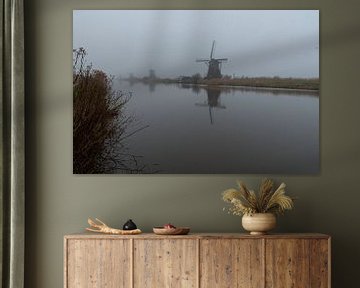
(99,123)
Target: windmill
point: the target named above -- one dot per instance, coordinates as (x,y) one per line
(214,64)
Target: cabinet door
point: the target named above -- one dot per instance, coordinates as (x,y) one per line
(320,263)
(98,263)
(165,263)
(287,263)
(231,263)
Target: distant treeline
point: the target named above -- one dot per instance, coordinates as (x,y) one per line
(265,82)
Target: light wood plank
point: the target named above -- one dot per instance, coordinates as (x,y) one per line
(98,264)
(231,263)
(89,235)
(66,263)
(197,260)
(287,263)
(166,263)
(319,263)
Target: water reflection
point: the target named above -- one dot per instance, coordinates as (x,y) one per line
(273,91)
(212,101)
(152,86)
(196,89)
(212,129)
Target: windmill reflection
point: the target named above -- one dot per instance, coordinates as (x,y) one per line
(212,101)
(196,89)
(152,86)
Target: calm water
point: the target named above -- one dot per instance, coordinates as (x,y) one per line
(230,130)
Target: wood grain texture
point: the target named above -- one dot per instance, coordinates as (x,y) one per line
(319,263)
(197,260)
(231,263)
(66,262)
(88,235)
(287,263)
(166,263)
(98,264)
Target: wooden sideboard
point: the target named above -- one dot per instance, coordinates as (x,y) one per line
(197,260)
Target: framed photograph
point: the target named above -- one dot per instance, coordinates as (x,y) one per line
(196,91)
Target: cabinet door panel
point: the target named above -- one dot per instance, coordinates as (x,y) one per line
(98,264)
(231,263)
(287,263)
(319,263)
(165,263)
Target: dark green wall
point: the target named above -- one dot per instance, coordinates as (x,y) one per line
(59,202)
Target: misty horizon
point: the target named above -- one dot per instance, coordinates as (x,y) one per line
(257,43)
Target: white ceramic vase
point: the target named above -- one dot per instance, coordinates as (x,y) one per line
(259,223)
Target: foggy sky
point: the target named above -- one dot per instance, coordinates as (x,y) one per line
(281,43)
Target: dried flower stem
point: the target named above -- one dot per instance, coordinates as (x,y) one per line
(245,201)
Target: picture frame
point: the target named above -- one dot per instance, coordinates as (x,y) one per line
(146,102)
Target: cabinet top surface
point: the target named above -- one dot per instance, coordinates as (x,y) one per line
(87,235)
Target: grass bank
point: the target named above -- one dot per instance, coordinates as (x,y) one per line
(266,82)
